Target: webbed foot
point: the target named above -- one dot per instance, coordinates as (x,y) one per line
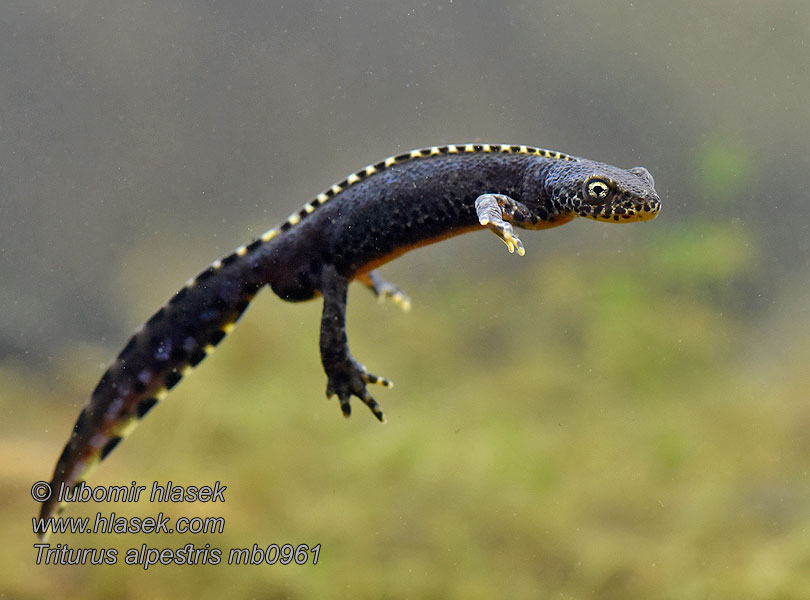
(349,378)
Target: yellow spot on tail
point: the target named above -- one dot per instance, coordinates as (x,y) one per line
(309,208)
(241,250)
(336,189)
(353,178)
(321,198)
(524,150)
(227,328)
(217,264)
(435,150)
(126,427)
(390,161)
(161,394)
(88,467)
(469,148)
(486,148)
(293,219)
(269,235)
(452,149)
(416,153)
(370,170)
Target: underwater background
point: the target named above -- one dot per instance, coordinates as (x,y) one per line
(621,413)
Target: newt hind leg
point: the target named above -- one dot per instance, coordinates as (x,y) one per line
(345,376)
(384,289)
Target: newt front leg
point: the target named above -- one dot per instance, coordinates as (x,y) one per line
(491,210)
(346,376)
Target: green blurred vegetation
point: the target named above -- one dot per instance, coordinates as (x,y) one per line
(589,426)
(724,170)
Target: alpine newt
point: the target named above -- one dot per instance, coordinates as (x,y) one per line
(345,233)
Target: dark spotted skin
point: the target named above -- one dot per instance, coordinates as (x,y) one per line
(371,217)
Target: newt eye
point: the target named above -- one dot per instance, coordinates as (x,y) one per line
(597,190)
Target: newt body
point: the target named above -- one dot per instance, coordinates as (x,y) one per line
(371,217)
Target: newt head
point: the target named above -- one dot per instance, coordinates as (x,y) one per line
(605,193)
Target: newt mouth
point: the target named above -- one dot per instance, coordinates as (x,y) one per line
(624,210)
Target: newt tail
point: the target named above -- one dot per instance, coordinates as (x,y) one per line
(347,231)
(173,341)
